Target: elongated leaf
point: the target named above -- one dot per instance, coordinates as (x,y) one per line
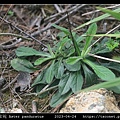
(90,77)
(41,60)
(61,45)
(73,60)
(67,85)
(77,81)
(62,84)
(59,69)
(79,39)
(91,31)
(111,12)
(61,35)
(101,47)
(66,31)
(101,71)
(96,19)
(112,65)
(115,89)
(106,35)
(108,85)
(63,42)
(50,50)
(58,99)
(70,51)
(49,74)
(74,67)
(39,79)
(27,51)
(22,65)
(76,47)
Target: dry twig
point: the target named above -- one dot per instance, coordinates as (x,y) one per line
(23,31)
(58,21)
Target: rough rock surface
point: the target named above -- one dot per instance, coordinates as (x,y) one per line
(95,101)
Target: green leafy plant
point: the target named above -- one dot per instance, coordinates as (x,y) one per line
(111,44)
(71,65)
(10,13)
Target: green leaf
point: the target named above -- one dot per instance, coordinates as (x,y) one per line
(63,42)
(61,35)
(100,50)
(49,74)
(58,99)
(79,39)
(74,67)
(70,51)
(59,69)
(11,13)
(27,51)
(116,89)
(66,31)
(111,12)
(41,60)
(76,47)
(73,34)
(112,65)
(39,79)
(73,60)
(50,50)
(106,35)
(96,19)
(64,84)
(38,89)
(58,47)
(90,77)
(54,83)
(77,81)
(64,88)
(91,31)
(100,47)
(111,44)
(108,85)
(22,65)
(101,71)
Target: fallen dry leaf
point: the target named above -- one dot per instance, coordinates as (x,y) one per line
(23,81)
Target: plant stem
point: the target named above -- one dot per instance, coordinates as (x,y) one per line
(41,92)
(104,58)
(77,50)
(16,35)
